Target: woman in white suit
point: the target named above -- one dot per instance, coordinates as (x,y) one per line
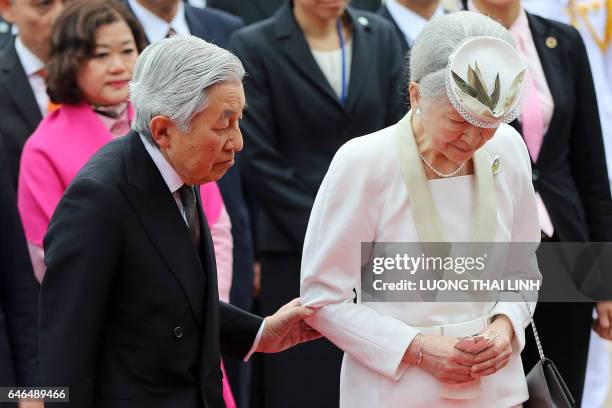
(453,171)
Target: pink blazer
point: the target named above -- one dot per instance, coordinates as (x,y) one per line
(52,156)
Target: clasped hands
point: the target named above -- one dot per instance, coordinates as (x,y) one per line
(457,361)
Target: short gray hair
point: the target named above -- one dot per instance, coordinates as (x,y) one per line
(172,78)
(437,41)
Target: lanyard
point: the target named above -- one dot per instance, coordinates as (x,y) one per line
(343,52)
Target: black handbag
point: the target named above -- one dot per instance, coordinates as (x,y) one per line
(544,382)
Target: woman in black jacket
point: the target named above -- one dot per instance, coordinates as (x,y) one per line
(318,74)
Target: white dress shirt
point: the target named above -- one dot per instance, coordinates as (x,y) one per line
(174,182)
(32,65)
(156,28)
(408,21)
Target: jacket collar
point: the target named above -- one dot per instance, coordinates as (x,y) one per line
(294,45)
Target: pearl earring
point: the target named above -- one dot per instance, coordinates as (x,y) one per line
(419,111)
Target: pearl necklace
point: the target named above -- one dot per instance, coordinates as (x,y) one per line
(438,172)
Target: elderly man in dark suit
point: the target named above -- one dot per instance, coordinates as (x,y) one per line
(18,298)
(158,19)
(130,314)
(23,93)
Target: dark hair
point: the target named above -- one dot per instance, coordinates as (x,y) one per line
(73,40)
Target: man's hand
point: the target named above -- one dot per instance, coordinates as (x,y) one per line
(286,328)
(603,324)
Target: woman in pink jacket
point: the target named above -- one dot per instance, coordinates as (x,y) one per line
(94,47)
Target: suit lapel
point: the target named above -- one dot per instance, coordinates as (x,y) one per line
(17,86)
(549,58)
(363,40)
(162,221)
(294,45)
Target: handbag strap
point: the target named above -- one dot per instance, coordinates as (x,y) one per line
(535,331)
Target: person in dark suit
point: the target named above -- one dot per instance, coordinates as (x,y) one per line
(253,11)
(23,94)
(129,310)
(18,297)
(562,131)
(158,18)
(300,112)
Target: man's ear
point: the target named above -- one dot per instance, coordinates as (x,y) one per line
(6,10)
(161,129)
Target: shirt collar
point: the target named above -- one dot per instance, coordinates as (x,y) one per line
(520,28)
(170,176)
(154,27)
(31,63)
(408,21)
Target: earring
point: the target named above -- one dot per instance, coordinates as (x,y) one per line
(419,111)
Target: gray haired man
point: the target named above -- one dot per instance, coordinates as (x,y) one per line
(130,315)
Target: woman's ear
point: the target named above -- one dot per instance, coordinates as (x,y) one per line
(415,94)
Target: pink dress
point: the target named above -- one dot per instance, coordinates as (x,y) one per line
(61,145)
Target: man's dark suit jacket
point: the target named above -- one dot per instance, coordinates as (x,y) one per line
(18,108)
(217,26)
(18,295)
(294,123)
(253,11)
(130,314)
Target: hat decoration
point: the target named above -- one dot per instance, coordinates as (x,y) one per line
(493,88)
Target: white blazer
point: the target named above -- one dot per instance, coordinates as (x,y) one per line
(363,198)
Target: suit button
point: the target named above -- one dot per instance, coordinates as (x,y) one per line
(535,175)
(178,332)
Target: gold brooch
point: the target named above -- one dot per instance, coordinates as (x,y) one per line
(551,42)
(496,166)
